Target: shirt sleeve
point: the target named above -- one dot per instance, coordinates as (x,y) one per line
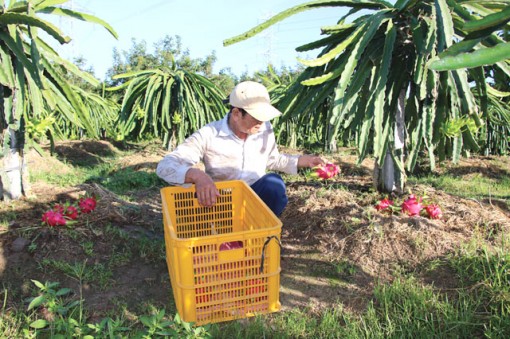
(173,167)
(281,162)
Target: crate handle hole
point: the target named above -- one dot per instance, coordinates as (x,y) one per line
(231,245)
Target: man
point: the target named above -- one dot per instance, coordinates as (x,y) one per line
(241,146)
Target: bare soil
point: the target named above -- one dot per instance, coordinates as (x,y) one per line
(336,246)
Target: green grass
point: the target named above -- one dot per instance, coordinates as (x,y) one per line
(114,178)
(4,225)
(65,317)
(406,308)
(479,306)
(139,247)
(73,175)
(122,181)
(480,187)
(486,273)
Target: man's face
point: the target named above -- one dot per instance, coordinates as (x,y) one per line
(246,123)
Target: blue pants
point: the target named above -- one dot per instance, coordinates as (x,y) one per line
(271,189)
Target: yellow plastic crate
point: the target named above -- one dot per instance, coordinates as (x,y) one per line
(224,261)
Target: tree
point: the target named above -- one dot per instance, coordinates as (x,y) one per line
(167,52)
(372,81)
(167,103)
(493,56)
(102,111)
(33,90)
(225,80)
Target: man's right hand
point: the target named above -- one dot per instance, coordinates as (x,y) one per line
(206,190)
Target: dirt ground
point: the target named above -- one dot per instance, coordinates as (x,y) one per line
(336,246)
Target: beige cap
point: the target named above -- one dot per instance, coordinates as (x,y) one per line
(254,99)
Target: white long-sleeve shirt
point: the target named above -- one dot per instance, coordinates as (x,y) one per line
(226,156)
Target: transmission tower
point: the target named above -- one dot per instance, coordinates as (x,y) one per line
(68,27)
(268,41)
(72,47)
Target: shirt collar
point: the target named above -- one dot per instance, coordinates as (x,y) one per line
(224,128)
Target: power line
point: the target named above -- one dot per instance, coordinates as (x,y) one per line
(143,11)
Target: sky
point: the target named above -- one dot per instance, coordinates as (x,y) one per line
(203,25)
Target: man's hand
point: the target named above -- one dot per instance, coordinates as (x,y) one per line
(309,161)
(204,187)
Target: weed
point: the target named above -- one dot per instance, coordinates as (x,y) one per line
(108,328)
(97,272)
(32,247)
(151,249)
(54,314)
(88,247)
(116,232)
(356,220)
(120,255)
(6,220)
(434,265)
(57,310)
(419,243)
(323,192)
(345,268)
(157,325)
